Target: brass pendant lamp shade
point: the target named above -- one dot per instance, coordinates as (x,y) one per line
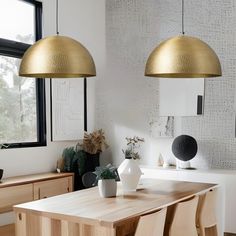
(183,57)
(57,57)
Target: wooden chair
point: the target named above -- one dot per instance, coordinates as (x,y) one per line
(206,220)
(152,224)
(184,218)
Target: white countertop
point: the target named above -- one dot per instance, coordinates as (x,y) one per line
(173,168)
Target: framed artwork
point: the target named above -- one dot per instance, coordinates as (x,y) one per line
(68,109)
(163,128)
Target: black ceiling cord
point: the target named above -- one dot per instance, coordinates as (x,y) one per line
(183,17)
(57,10)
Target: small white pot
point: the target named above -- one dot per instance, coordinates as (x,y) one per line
(107,187)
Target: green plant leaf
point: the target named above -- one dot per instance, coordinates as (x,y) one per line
(106,172)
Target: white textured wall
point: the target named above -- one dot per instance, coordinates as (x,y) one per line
(85,21)
(215,130)
(128,101)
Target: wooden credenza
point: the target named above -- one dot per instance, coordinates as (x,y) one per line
(21,189)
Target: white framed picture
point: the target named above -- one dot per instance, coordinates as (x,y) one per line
(67,109)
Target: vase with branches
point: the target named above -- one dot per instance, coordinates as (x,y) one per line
(129,171)
(132,145)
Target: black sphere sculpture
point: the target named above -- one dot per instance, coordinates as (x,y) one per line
(184,147)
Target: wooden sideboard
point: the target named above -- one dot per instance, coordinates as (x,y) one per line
(21,189)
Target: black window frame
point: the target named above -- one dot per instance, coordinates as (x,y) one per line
(16,49)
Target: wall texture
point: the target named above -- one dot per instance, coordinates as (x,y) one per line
(215,130)
(127,102)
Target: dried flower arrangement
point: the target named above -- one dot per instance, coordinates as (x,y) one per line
(84,157)
(94,142)
(74,159)
(133,144)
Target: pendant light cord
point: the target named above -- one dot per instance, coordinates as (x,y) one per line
(183,17)
(57,16)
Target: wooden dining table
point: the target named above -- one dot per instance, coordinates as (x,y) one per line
(85,213)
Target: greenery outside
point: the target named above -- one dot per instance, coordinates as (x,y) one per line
(18,118)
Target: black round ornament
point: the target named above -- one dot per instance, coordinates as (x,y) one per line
(184,147)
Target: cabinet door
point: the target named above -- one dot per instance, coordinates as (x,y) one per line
(7,230)
(52,188)
(11,196)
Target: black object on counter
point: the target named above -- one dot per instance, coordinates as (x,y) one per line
(184,147)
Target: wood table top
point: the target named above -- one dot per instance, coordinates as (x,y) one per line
(87,207)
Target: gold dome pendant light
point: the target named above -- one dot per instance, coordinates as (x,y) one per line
(183,57)
(57,57)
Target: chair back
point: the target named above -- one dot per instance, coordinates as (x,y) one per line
(184,219)
(152,224)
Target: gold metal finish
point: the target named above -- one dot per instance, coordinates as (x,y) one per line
(57,57)
(183,57)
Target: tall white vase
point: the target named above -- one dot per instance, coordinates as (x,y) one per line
(130,174)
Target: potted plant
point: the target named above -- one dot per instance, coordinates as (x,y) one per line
(88,151)
(106,177)
(129,171)
(84,157)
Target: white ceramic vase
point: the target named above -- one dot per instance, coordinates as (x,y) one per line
(130,174)
(107,187)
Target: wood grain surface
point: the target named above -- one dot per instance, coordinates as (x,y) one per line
(87,207)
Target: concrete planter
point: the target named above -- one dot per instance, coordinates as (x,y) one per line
(107,187)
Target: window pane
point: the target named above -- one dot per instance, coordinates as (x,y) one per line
(18,122)
(17,21)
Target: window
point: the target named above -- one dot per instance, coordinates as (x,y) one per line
(22,100)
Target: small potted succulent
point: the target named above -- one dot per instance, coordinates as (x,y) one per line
(106,178)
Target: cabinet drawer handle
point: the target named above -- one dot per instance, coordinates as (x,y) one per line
(20,216)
